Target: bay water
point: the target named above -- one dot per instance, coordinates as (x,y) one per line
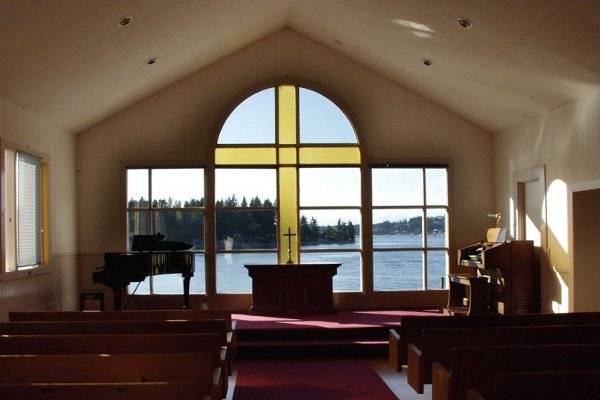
(392,270)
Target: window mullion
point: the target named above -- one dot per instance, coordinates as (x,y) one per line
(425,230)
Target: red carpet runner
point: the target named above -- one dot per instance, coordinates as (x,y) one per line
(309,380)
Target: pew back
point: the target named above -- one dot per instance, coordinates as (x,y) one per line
(547,384)
(475,367)
(117,344)
(114,327)
(96,368)
(128,315)
(436,344)
(412,327)
(103,391)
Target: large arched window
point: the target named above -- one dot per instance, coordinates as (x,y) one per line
(287,160)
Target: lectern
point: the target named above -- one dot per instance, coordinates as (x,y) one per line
(288,289)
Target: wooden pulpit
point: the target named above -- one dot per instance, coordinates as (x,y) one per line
(288,289)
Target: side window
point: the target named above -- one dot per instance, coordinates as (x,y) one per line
(26,233)
(168,201)
(410,228)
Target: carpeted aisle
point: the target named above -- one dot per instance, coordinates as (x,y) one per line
(309,380)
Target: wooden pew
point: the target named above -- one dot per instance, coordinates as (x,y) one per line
(127,315)
(411,327)
(133,315)
(436,344)
(103,391)
(210,343)
(475,367)
(113,368)
(113,327)
(118,327)
(542,385)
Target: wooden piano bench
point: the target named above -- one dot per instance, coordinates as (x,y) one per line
(91,295)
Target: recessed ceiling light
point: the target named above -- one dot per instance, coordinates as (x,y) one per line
(151,60)
(427,61)
(465,23)
(123,22)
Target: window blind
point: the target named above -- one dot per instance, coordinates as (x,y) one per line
(28,210)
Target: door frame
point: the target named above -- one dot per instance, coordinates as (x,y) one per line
(520,178)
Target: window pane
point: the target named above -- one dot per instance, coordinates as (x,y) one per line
(397,186)
(137,224)
(252,121)
(437,224)
(329,187)
(288,213)
(437,269)
(137,188)
(143,288)
(173,283)
(232,277)
(181,226)
(397,228)
(233,185)
(178,187)
(28,210)
(321,121)
(330,229)
(436,181)
(329,155)
(348,277)
(245,156)
(397,270)
(287,114)
(287,155)
(238,229)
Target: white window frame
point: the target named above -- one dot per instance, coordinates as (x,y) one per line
(10,272)
(151,211)
(425,248)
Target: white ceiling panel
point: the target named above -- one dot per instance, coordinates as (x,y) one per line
(70,61)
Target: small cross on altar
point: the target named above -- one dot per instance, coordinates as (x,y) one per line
(289,235)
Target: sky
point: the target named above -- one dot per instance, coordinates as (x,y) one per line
(253,121)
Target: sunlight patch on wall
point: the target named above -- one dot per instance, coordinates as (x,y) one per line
(533,232)
(563,305)
(511,213)
(557,213)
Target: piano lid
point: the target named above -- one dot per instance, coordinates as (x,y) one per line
(157,243)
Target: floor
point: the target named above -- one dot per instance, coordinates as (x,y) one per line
(396,382)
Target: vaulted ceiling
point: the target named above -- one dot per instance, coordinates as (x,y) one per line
(71,62)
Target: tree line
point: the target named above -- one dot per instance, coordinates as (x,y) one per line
(237,228)
(410,226)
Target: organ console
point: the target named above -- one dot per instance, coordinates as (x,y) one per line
(150,255)
(503,279)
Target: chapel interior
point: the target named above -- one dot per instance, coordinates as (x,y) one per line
(309,178)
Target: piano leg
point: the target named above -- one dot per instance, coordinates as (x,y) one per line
(118,297)
(186,292)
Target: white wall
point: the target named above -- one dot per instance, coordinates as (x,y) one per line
(180,123)
(567,141)
(58,288)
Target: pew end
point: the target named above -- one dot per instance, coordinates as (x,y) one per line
(473,395)
(441,382)
(415,371)
(394,351)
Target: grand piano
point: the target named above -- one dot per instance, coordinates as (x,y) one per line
(150,255)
